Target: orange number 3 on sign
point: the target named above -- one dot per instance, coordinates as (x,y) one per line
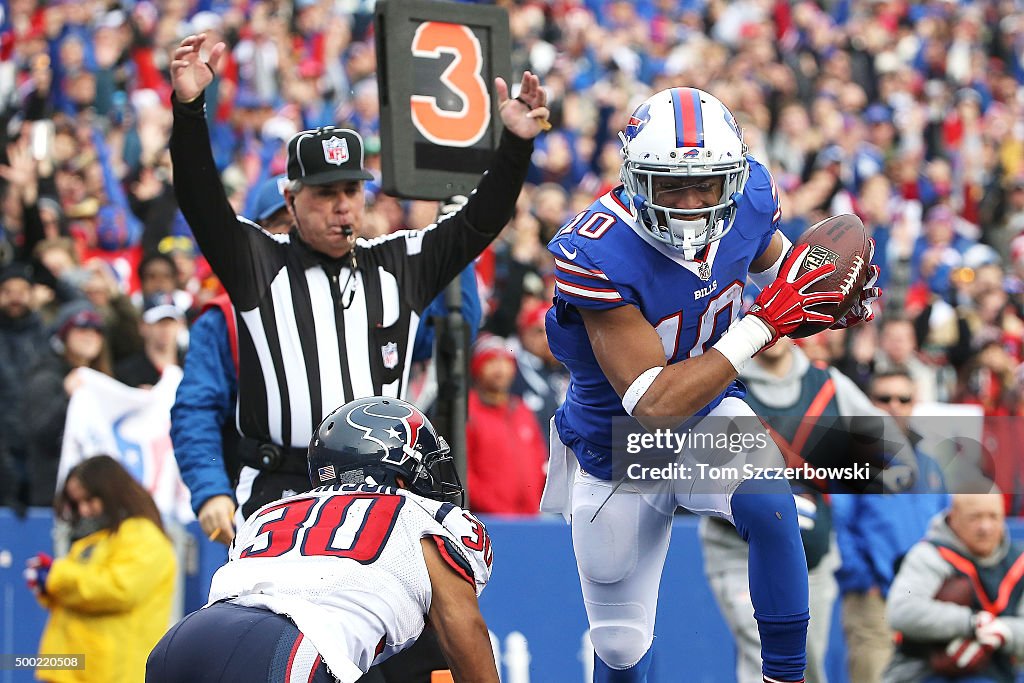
(465,126)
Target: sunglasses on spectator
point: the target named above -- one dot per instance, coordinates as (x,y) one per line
(889,398)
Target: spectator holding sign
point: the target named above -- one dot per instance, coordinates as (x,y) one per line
(79,342)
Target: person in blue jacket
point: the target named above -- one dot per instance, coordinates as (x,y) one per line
(202,418)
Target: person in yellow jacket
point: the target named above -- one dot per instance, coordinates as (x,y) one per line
(110,598)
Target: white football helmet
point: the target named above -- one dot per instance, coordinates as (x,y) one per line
(683,132)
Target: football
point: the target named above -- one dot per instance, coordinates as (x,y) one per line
(956,589)
(843,241)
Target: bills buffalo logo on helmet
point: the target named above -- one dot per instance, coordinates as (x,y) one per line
(393,427)
(691,154)
(637,121)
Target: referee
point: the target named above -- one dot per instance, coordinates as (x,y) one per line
(325,318)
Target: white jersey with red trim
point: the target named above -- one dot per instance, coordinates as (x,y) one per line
(345,563)
(604,259)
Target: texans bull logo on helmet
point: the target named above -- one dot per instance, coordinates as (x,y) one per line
(399,437)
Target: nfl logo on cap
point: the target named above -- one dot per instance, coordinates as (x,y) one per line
(336,151)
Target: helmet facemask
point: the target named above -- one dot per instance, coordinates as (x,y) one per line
(432,475)
(442,476)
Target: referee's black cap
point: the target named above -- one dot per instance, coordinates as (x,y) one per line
(326,155)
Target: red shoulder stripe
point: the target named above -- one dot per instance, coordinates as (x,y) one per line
(446,555)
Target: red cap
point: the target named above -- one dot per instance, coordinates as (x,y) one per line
(532,315)
(487,347)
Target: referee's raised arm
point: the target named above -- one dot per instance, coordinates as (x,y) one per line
(459,239)
(225,242)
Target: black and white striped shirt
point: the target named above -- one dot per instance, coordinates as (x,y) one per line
(301,352)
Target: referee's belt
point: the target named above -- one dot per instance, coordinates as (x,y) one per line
(269,457)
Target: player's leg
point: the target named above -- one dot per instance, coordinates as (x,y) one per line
(228,643)
(765,516)
(620,554)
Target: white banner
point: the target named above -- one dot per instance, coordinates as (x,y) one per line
(133,426)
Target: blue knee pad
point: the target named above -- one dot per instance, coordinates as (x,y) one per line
(765,516)
(634,674)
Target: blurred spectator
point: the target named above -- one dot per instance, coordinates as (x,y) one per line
(1009,234)
(873,533)
(110,598)
(970,542)
(995,318)
(151,199)
(162,326)
(120,315)
(182,251)
(22,340)
(938,251)
(541,381)
(945,334)
(58,257)
(517,259)
(988,378)
(78,342)
(159,275)
(505,452)
(898,349)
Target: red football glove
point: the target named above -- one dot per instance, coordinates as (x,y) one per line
(37,568)
(861,311)
(785,304)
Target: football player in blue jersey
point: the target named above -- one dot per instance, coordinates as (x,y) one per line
(649,287)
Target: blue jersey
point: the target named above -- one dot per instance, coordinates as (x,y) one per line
(605,259)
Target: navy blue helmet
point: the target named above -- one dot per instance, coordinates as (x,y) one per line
(378,440)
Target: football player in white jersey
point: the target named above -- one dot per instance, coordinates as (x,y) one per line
(322,585)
